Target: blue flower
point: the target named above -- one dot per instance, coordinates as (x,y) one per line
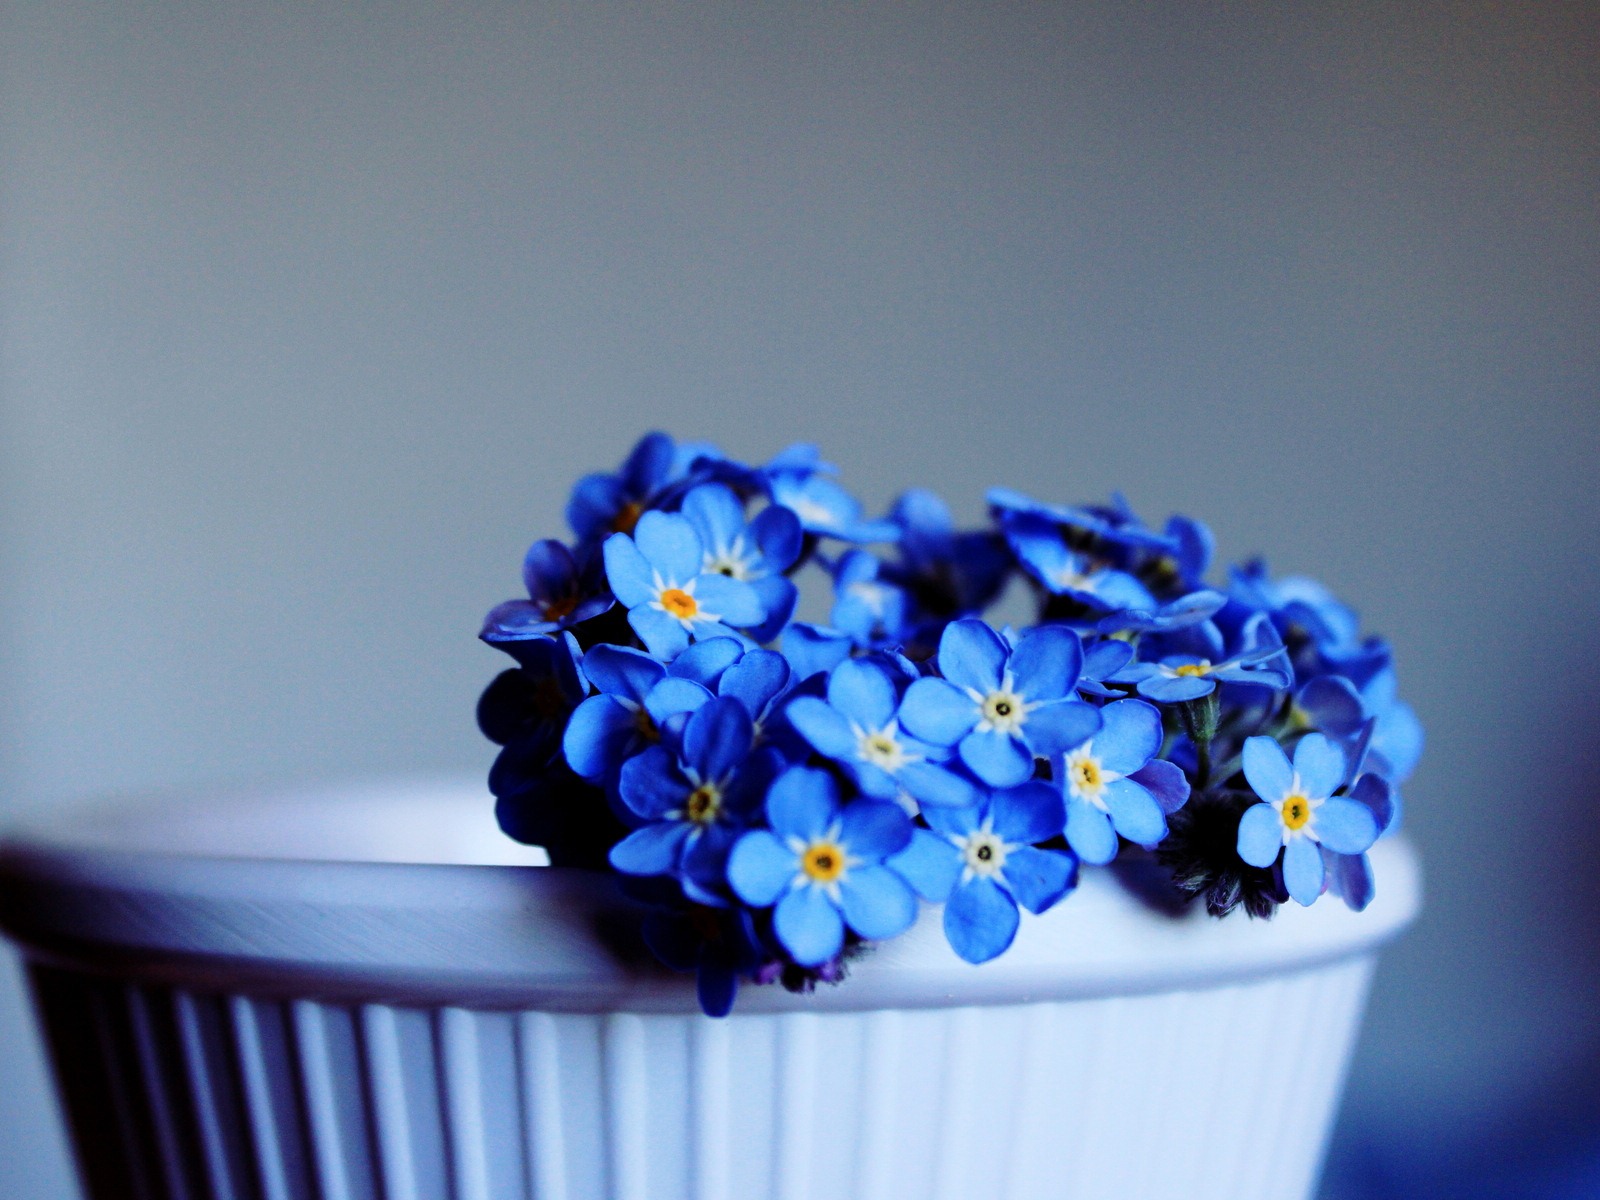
(1112,527)
(1188,609)
(693,803)
(1104,795)
(1261,660)
(821,864)
(756,552)
(1102,660)
(1000,706)
(636,695)
(944,573)
(659,575)
(1071,574)
(605,502)
(758,680)
(799,481)
(1322,633)
(1299,813)
(813,649)
(983,861)
(865,606)
(858,726)
(561,594)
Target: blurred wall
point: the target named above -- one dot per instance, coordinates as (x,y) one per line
(309,315)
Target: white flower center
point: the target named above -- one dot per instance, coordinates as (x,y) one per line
(1003,710)
(733,560)
(882,747)
(983,853)
(874,595)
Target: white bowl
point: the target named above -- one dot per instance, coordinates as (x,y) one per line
(360,994)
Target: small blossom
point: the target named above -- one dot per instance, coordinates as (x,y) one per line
(1299,812)
(1105,796)
(821,866)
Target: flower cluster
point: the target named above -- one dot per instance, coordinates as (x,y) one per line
(782,792)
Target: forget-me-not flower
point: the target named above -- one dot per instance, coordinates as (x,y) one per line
(1103,793)
(1299,812)
(659,574)
(561,593)
(1001,707)
(821,865)
(756,551)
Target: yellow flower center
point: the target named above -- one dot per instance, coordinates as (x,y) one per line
(1192,670)
(627,517)
(703,804)
(823,862)
(560,608)
(679,603)
(1086,774)
(1296,812)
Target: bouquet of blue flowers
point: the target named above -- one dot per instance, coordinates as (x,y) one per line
(780,793)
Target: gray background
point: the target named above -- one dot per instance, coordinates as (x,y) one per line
(311,316)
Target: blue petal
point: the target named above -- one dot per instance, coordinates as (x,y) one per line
(732,600)
(809,926)
(933,785)
(672,696)
(761,868)
(652,850)
(803,802)
(1165,781)
(873,830)
(716,514)
(811,650)
(1378,795)
(1032,812)
(652,785)
(971,655)
(1332,704)
(821,725)
(777,533)
(670,545)
(1135,813)
(1267,768)
(648,463)
(595,502)
(1345,826)
(957,822)
(930,864)
(1038,878)
(778,598)
(716,986)
(598,736)
(1302,870)
(877,903)
(627,571)
(1089,833)
(996,758)
(1169,689)
(1350,875)
(1046,662)
(1260,835)
(548,569)
(937,712)
(622,671)
(1060,725)
(1106,658)
(863,692)
(706,660)
(756,681)
(1130,736)
(1320,764)
(515,621)
(717,738)
(980,920)
(662,634)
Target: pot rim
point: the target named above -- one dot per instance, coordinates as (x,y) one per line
(206,893)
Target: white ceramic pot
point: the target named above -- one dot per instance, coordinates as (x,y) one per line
(360,995)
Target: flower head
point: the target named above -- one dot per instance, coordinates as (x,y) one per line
(1105,782)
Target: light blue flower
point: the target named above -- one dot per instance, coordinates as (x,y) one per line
(983,861)
(756,552)
(858,726)
(1001,707)
(1104,797)
(659,575)
(1299,812)
(1065,572)
(821,865)
(866,606)
(1200,666)
(799,481)
(562,592)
